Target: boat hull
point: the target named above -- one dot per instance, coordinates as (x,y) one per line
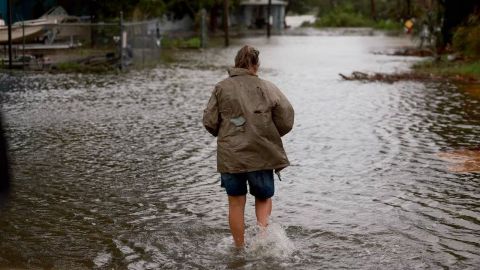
(19,34)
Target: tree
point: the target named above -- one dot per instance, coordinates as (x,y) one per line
(373,10)
(146,9)
(225,21)
(455,14)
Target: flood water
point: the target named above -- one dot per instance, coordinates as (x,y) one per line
(116,171)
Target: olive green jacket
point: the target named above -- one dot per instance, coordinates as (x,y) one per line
(249,116)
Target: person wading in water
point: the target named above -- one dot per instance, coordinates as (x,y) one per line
(248,115)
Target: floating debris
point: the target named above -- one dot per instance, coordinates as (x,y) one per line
(410,51)
(406,76)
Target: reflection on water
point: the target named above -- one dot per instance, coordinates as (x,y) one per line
(472,89)
(116,171)
(462,161)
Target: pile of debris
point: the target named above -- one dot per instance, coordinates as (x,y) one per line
(407,76)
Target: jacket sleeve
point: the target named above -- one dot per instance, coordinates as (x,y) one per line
(282,113)
(211,116)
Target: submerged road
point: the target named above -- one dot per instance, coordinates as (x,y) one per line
(116,171)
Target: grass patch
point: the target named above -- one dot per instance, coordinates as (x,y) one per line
(68,66)
(346,16)
(74,67)
(343,17)
(450,69)
(466,38)
(388,25)
(183,43)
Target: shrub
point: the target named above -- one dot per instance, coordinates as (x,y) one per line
(306,24)
(466,39)
(190,43)
(388,25)
(343,16)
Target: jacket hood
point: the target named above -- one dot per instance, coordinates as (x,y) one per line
(239,72)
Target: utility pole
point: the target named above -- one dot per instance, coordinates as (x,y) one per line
(203,35)
(122,41)
(23,44)
(269,14)
(9,21)
(225,22)
(93,19)
(409,8)
(373,10)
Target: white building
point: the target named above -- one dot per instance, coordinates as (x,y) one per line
(254,13)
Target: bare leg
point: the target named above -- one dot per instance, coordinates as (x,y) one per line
(236,210)
(263,210)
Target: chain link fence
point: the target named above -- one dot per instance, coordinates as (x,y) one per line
(119,44)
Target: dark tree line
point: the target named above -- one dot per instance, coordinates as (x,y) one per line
(455,13)
(452,13)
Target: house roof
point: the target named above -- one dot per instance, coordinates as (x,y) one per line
(262,2)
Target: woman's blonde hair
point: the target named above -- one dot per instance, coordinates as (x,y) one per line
(247,57)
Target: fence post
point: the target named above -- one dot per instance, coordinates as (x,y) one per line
(203,38)
(121,41)
(23,44)
(225,22)
(269,14)
(9,21)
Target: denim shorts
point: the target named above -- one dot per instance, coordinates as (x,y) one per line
(260,183)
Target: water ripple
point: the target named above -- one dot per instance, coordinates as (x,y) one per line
(116,171)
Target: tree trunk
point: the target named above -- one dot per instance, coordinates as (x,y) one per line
(409,9)
(93,19)
(9,22)
(373,10)
(287,9)
(455,14)
(269,13)
(225,22)
(214,18)
(333,4)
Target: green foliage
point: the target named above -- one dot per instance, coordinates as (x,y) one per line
(154,8)
(347,16)
(343,16)
(70,66)
(447,68)
(381,10)
(302,6)
(73,67)
(388,25)
(150,9)
(466,39)
(190,43)
(306,24)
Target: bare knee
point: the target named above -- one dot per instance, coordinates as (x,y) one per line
(237,201)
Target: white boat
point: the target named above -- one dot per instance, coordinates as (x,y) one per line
(46,28)
(19,33)
(53,16)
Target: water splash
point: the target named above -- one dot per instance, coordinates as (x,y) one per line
(269,242)
(102,259)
